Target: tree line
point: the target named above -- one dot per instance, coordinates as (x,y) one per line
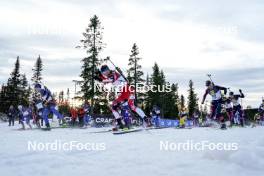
(18,91)
(169,102)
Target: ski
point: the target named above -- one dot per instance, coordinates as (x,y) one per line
(156,128)
(45,129)
(178,128)
(102,131)
(21,129)
(127,131)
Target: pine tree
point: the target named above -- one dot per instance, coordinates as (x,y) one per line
(192,99)
(68,95)
(37,74)
(24,90)
(16,91)
(171,102)
(156,97)
(146,96)
(135,72)
(182,102)
(3,98)
(13,85)
(93,45)
(166,99)
(61,97)
(37,71)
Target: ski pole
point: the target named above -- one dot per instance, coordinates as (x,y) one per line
(210,77)
(117,68)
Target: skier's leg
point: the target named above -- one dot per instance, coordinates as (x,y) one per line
(28,122)
(232,117)
(22,122)
(157,121)
(13,120)
(9,120)
(88,118)
(239,110)
(139,111)
(218,111)
(85,120)
(23,125)
(45,117)
(154,120)
(55,111)
(117,115)
(127,94)
(235,115)
(213,110)
(38,119)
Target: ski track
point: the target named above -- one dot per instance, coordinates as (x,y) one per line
(132,154)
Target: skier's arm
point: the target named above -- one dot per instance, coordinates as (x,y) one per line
(260,108)
(205,95)
(99,77)
(46,96)
(102,80)
(222,88)
(105,81)
(241,94)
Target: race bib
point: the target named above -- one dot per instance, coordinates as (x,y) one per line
(39,106)
(25,113)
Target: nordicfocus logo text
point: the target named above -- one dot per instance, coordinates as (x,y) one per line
(190,145)
(58,145)
(142,88)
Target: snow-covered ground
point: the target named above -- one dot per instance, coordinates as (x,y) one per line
(132,154)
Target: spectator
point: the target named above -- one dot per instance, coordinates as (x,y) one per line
(74,115)
(11,115)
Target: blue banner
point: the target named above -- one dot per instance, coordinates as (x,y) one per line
(166,123)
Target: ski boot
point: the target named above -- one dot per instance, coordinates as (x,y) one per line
(223,126)
(119,125)
(146,122)
(48,126)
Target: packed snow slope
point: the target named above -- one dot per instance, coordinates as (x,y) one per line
(132,154)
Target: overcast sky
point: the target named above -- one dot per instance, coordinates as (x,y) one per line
(187,38)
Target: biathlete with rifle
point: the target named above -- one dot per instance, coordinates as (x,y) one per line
(127,93)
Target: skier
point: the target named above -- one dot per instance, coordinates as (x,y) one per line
(183,117)
(155,113)
(200,121)
(257,120)
(24,116)
(229,111)
(105,75)
(124,110)
(237,108)
(196,116)
(48,103)
(87,110)
(11,115)
(217,101)
(261,109)
(38,111)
